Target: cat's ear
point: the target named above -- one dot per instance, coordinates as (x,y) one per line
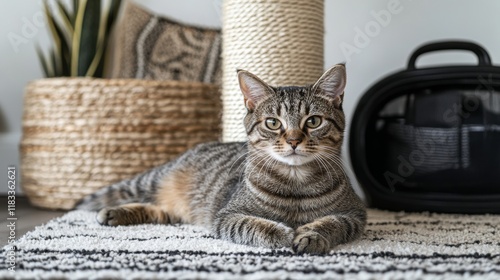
(254,89)
(331,85)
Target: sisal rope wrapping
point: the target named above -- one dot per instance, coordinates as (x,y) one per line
(81,134)
(281,41)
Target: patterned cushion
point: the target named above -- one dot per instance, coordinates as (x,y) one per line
(153,47)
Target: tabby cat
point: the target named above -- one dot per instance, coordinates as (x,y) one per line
(284,187)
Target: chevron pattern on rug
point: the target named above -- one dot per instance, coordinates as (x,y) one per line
(395,246)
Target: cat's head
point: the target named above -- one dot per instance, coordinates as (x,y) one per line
(295,125)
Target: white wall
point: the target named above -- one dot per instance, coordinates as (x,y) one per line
(21,25)
(411,24)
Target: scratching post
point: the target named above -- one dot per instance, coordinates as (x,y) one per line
(280,41)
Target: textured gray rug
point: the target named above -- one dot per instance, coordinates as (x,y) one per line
(395,246)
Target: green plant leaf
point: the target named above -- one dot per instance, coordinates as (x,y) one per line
(85,39)
(114,9)
(77,30)
(62,44)
(89,43)
(99,50)
(76,5)
(45,67)
(108,18)
(80,36)
(66,17)
(54,59)
(56,35)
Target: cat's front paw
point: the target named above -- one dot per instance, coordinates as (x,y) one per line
(110,217)
(310,242)
(283,237)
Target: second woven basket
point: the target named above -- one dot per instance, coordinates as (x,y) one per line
(81,134)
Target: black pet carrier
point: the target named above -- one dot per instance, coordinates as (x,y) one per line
(428,139)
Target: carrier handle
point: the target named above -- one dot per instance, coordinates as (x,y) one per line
(482,55)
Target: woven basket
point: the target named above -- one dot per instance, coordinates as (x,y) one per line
(81,134)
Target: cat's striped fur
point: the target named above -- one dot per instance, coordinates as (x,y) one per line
(285,187)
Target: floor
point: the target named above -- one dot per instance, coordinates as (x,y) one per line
(28,217)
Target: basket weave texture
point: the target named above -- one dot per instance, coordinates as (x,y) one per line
(82,134)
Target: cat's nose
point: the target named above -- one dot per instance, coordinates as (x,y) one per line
(294,142)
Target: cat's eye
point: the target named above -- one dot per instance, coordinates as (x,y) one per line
(273,123)
(313,122)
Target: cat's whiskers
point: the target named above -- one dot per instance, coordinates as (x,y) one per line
(243,161)
(333,155)
(343,174)
(326,157)
(339,166)
(254,166)
(250,163)
(251,158)
(269,158)
(242,172)
(323,164)
(248,158)
(261,175)
(273,163)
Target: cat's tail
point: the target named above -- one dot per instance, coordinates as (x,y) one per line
(140,189)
